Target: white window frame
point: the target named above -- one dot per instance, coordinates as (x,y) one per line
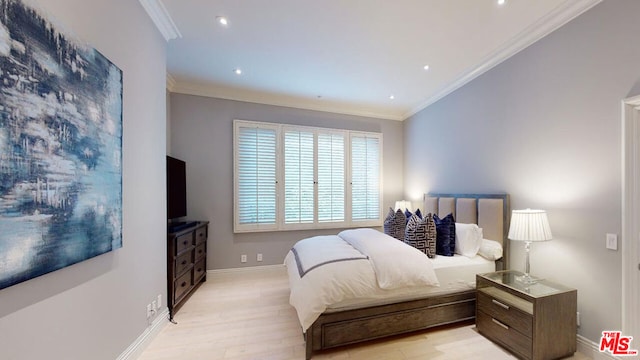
(280,224)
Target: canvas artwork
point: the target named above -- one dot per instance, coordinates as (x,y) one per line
(60,147)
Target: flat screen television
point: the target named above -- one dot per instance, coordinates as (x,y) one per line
(176,188)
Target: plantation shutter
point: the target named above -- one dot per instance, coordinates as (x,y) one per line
(331,177)
(365,177)
(256,181)
(299,197)
(289,177)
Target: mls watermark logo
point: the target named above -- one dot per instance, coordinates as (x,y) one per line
(616,343)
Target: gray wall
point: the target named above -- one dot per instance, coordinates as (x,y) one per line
(96,309)
(202,135)
(545,127)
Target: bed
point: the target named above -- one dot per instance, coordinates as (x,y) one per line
(399,309)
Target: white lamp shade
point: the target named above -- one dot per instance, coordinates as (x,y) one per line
(529,225)
(403,204)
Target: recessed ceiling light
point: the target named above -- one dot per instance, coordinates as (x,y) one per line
(391,97)
(501,2)
(426,67)
(222,20)
(238,71)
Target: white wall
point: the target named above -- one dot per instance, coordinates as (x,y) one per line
(202,135)
(96,309)
(544,126)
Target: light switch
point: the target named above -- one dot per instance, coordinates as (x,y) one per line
(612,241)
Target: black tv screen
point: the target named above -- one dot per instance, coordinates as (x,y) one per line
(176,188)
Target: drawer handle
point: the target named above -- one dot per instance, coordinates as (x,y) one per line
(500,324)
(183,284)
(185,242)
(184,262)
(504,306)
(200,251)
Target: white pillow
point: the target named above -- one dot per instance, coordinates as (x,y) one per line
(490,250)
(468,239)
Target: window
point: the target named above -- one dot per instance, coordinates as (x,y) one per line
(256,177)
(293,177)
(365,172)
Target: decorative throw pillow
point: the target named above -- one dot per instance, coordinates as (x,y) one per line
(431,236)
(445,235)
(468,239)
(394,224)
(421,234)
(408,214)
(416,233)
(490,250)
(389,223)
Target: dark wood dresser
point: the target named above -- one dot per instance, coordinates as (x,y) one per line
(534,321)
(186,263)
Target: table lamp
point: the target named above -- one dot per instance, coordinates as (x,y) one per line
(403,205)
(528,226)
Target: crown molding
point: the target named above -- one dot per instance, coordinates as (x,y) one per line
(258,97)
(536,31)
(160,16)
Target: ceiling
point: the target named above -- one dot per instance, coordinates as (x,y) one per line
(346,56)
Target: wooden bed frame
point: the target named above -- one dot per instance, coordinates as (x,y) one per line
(332,329)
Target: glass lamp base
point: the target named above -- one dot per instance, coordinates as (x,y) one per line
(527,279)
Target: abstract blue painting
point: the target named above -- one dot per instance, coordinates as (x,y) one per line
(60,147)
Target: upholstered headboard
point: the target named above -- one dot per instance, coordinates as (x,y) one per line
(490,211)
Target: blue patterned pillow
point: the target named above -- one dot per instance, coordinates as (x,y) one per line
(395,223)
(408,214)
(445,235)
(421,234)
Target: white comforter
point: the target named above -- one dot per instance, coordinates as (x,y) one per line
(366,263)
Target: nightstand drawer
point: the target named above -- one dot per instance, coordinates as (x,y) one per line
(503,334)
(505,312)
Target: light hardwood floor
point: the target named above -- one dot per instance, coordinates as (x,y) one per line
(246,315)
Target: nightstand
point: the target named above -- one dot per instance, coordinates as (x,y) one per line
(533,321)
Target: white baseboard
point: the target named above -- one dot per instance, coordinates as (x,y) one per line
(246,269)
(137,347)
(592,350)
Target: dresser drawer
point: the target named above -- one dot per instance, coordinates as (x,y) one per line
(199,270)
(505,312)
(182,285)
(183,262)
(503,334)
(201,235)
(183,242)
(201,250)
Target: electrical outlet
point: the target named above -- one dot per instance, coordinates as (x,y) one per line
(243,258)
(259,257)
(154,305)
(149,311)
(159,301)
